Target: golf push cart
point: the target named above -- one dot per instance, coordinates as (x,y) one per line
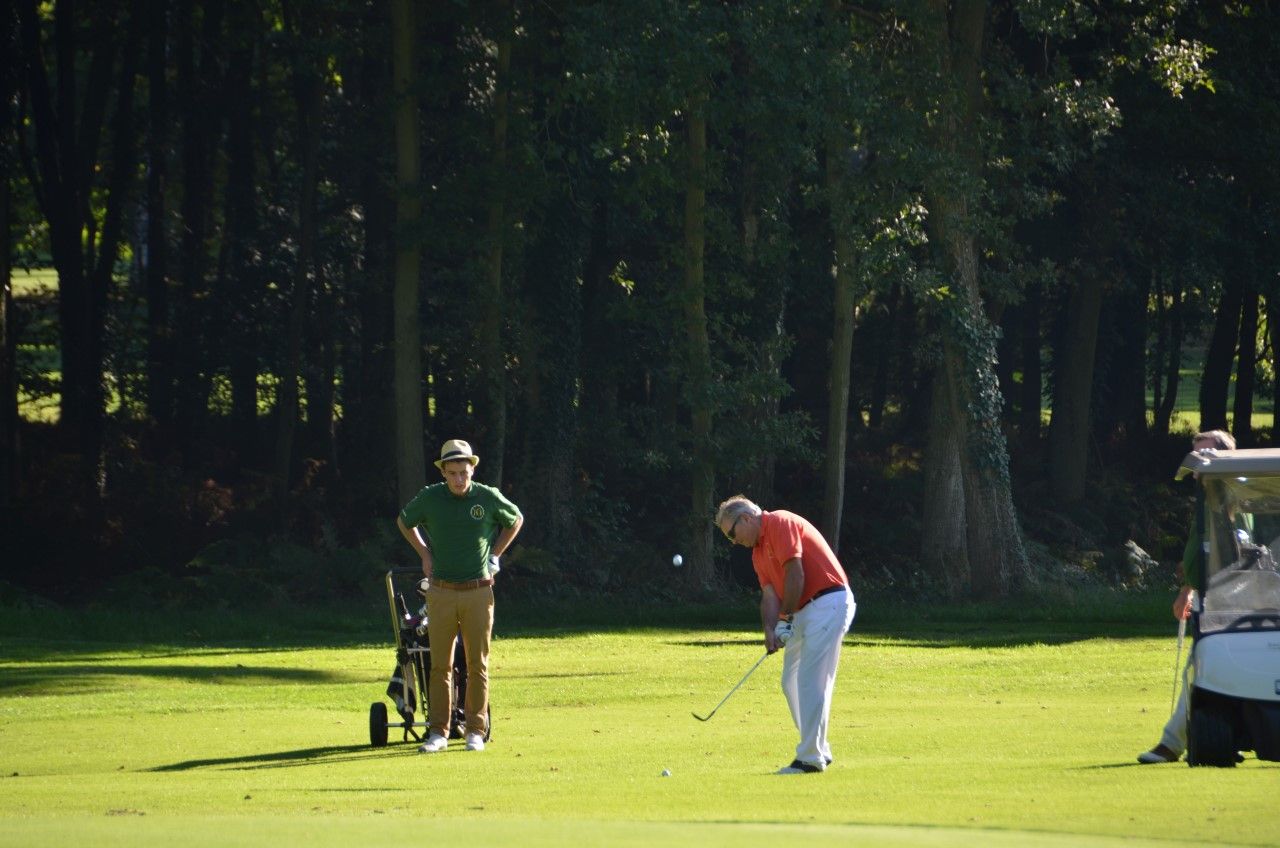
(1234,672)
(408,686)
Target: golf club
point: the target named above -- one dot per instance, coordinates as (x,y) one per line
(1177,664)
(734,689)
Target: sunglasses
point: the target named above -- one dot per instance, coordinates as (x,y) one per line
(731,535)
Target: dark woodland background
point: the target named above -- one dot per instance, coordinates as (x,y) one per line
(957,280)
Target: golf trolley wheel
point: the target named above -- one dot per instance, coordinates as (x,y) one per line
(1210,738)
(378,724)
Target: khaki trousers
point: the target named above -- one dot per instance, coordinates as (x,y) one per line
(450,612)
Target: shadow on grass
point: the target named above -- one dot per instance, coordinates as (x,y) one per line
(31,635)
(753,639)
(1253,763)
(74,653)
(1013,637)
(569,675)
(324,755)
(73,680)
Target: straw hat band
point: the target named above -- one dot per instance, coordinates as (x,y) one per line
(456,449)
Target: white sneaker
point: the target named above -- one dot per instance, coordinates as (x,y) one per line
(475,742)
(799,767)
(1158,754)
(435,743)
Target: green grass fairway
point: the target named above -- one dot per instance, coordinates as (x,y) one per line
(945,735)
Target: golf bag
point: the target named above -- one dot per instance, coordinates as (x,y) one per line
(404,686)
(408,686)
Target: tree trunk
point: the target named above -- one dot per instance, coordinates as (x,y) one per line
(1172,367)
(1032,389)
(54,117)
(10,89)
(8,348)
(995,553)
(492,337)
(886,352)
(599,358)
(119,188)
(1215,384)
(197,82)
(307,97)
(368,424)
(768,284)
(1273,324)
(554,270)
(320,366)
(1069,428)
(1007,361)
(1246,370)
(1129,363)
(67,156)
(159,327)
(1162,336)
(698,356)
(410,458)
(945,549)
(846,314)
(240,278)
(996,556)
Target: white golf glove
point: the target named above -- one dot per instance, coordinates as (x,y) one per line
(494,565)
(782,632)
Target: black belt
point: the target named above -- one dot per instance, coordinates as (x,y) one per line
(826,591)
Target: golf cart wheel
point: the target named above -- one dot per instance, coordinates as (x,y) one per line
(1262,718)
(378,724)
(1210,738)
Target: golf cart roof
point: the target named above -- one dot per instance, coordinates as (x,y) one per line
(1231,463)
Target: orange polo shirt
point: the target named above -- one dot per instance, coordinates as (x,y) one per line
(786,536)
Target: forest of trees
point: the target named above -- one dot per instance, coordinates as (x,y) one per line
(924,271)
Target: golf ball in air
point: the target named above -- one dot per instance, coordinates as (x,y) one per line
(677,560)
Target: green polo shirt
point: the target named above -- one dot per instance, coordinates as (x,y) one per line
(460,530)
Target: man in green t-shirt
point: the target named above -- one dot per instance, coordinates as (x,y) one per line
(459,529)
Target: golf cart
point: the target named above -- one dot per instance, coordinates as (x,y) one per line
(1234,671)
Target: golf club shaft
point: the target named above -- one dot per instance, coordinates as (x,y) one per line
(734,689)
(1177,662)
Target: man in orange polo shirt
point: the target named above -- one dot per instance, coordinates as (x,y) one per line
(805,606)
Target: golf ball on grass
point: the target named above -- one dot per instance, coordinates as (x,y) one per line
(677,560)
(666,772)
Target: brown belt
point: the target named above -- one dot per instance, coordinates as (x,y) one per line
(465,584)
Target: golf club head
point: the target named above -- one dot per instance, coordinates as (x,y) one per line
(700,718)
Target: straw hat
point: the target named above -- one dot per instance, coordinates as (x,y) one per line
(456,449)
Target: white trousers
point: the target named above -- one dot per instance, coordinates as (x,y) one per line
(809,665)
(1174,736)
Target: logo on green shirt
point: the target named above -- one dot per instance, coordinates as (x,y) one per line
(477,512)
